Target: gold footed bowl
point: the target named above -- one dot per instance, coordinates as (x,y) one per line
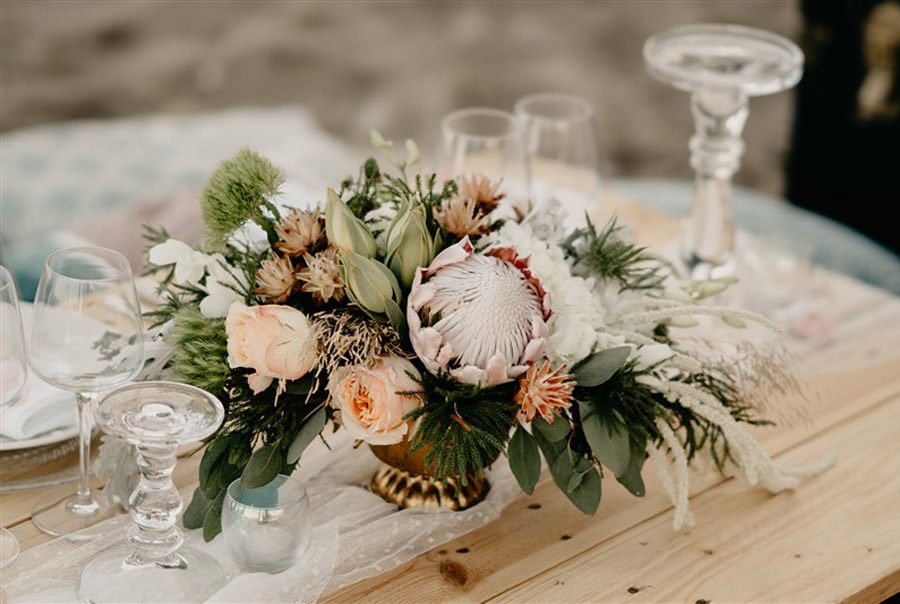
(404,481)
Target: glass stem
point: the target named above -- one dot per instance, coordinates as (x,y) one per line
(716,149)
(83,494)
(155,506)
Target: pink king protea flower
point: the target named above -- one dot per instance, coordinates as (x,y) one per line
(480,317)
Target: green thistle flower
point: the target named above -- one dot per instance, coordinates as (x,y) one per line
(240,189)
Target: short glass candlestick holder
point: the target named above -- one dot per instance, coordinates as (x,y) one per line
(156,417)
(266,528)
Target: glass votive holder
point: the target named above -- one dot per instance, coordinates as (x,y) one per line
(267,528)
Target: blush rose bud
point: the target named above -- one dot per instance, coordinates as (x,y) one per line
(344,230)
(409,244)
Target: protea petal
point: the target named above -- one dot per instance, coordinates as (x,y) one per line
(480,317)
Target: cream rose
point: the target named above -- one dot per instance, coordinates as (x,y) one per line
(279,342)
(370,400)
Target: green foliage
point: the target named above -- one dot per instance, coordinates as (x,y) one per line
(308,433)
(524,459)
(600,366)
(554,432)
(240,189)
(361,194)
(263,467)
(605,254)
(201,350)
(607,436)
(466,426)
(573,472)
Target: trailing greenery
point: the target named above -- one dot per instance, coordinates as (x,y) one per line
(467,427)
(606,254)
(610,426)
(699,434)
(240,189)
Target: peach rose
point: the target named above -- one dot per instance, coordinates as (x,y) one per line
(370,402)
(279,342)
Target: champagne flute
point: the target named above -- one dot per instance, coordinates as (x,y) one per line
(488,142)
(87,337)
(561,149)
(13,372)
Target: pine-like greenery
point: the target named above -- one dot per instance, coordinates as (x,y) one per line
(466,427)
(607,255)
(240,189)
(201,350)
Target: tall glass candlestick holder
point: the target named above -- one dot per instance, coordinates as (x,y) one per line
(721,66)
(153,567)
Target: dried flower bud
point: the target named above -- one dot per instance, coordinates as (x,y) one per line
(300,232)
(482,191)
(321,276)
(275,278)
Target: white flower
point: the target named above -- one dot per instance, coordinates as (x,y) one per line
(576,328)
(190,264)
(223,284)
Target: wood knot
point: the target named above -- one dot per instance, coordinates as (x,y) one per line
(454,572)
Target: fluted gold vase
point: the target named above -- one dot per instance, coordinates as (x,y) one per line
(404,480)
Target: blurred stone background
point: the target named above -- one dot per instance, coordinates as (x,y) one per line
(397,67)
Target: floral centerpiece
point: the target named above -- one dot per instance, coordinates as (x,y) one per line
(445,327)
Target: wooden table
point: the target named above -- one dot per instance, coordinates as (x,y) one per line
(835,538)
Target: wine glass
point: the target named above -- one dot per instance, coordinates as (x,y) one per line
(488,142)
(561,148)
(86,337)
(153,566)
(721,66)
(13,373)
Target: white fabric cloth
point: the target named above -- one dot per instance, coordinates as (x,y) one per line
(355,535)
(40,409)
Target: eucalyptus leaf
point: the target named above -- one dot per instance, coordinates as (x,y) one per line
(569,469)
(212,522)
(262,468)
(554,432)
(524,459)
(551,450)
(306,435)
(600,366)
(574,482)
(195,513)
(632,479)
(608,441)
(211,465)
